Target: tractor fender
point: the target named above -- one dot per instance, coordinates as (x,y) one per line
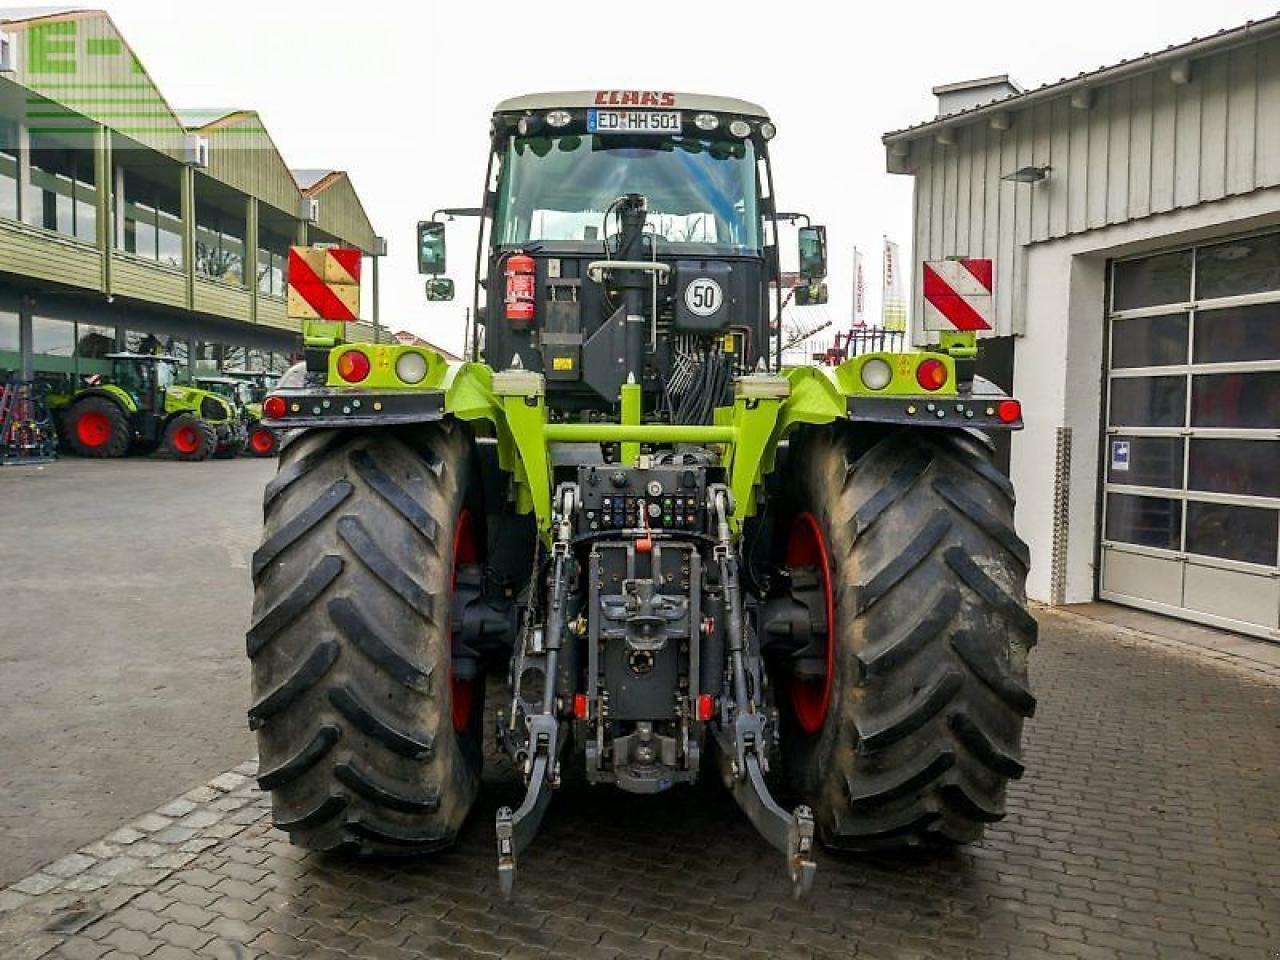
(111,392)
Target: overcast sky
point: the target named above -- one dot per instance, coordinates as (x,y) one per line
(399,94)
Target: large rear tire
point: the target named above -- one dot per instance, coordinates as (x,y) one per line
(914,740)
(353,697)
(98,427)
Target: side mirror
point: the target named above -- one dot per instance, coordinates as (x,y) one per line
(811,294)
(431,251)
(813,252)
(439,289)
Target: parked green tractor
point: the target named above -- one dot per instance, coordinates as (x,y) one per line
(672,553)
(141,406)
(263,441)
(239,393)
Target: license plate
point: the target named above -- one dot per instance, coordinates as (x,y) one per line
(633,121)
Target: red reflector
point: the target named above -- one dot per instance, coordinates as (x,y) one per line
(274,407)
(706,707)
(931,374)
(353,366)
(580,706)
(1009,410)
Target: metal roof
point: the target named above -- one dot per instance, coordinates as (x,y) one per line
(18,14)
(1248,32)
(601,98)
(309,178)
(193,118)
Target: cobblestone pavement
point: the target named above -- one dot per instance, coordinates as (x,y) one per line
(1145,827)
(126,596)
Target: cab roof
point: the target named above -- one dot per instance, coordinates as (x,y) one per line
(644,99)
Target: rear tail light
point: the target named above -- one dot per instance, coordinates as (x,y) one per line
(274,407)
(580,706)
(353,366)
(931,374)
(706,707)
(1009,411)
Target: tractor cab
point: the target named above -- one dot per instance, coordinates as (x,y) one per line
(145,377)
(258,382)
(628,237)
(238,392)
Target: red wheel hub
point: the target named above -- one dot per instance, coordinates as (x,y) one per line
(262,441)
(93,429)
(810,697)
(186,440)
(462,692)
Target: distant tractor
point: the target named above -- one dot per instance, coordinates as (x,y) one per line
(672,553)
(239,393)
(263,441)
(141,407)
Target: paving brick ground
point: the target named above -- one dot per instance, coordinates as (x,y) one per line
(1145,827)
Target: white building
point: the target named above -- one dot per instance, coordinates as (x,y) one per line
(1134,217)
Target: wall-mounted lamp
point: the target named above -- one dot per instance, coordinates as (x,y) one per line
(1030,174)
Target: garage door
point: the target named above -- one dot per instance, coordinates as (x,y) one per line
(1191,505)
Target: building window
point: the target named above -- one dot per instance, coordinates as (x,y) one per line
(273,254)
(8,170)
(152,221)
(62,195)
(153,344)
(220,246)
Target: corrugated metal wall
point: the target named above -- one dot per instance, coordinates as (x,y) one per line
(242,155)
(1143,146)
(342,215)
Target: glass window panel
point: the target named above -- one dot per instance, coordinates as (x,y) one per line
(169,239)
(86,212)
(233,256)
(94,342)
(1236,400)
(8,187)
(1245,467)
(209,262)
(55,338)
(1222,530)
(1146,521)
(1148,401)
(1237,334)
(140,230)
(9,331)
(1165,278)
(1150,341)
(1145,461)
(1251,265)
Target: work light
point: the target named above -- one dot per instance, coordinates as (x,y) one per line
(876,374)
(411,367)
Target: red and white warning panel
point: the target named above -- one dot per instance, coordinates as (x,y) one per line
(324,283)
(957,295)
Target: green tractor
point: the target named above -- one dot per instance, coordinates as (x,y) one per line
(141,407)
(673,556)
(263,441)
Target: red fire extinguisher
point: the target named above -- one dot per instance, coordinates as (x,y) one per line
(520,289)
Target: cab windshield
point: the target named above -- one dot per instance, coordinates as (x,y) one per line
(701,191)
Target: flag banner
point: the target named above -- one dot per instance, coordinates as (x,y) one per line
(859,290)
(893,311)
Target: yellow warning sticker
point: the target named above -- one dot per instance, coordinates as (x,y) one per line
(562,363)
